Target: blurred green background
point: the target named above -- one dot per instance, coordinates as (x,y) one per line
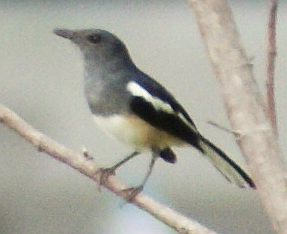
(41,79)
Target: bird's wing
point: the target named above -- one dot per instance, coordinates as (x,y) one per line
(157,91)
(154,104)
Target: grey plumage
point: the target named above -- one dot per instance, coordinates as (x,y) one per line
(115,87)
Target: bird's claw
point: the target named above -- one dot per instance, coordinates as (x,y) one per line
(131,193)
(104,174)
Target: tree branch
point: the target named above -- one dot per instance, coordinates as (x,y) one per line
(271,55)
(244,105)
(88,168)
(236,134)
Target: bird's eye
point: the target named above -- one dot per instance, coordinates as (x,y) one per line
(95,38)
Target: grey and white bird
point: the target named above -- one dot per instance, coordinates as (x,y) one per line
(138,110)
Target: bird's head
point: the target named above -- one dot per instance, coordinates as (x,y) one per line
(97,43)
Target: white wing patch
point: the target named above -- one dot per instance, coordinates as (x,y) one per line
(187,122)
(138,91)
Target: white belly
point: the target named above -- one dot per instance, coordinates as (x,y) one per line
(136,132)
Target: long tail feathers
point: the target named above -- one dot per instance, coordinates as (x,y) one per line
(226,166)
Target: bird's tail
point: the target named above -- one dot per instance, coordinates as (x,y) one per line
(226,166)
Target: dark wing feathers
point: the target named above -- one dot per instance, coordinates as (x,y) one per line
(161,119)
(158,91)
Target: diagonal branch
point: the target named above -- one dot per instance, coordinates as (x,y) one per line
(88,168)
(245,106)
(271,56)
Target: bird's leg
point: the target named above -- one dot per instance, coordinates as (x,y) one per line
(106,172)
(133,191)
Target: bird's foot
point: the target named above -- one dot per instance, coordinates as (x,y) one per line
(131,193)
(104,174)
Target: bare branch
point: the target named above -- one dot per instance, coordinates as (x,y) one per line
(237,134)
(271,56)
(245,106)
(88,167)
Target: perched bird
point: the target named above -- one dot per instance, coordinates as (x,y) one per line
(138,110)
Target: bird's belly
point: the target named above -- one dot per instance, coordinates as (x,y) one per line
(136,132)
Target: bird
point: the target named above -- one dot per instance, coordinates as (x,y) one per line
(137,110)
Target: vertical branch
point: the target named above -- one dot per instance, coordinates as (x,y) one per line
(245,106)
(271,55)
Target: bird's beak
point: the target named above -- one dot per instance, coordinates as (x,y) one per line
(66,33)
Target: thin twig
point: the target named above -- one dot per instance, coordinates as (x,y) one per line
(245,106)
(87,154)
(88,167)
(271,57)
(223,128)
